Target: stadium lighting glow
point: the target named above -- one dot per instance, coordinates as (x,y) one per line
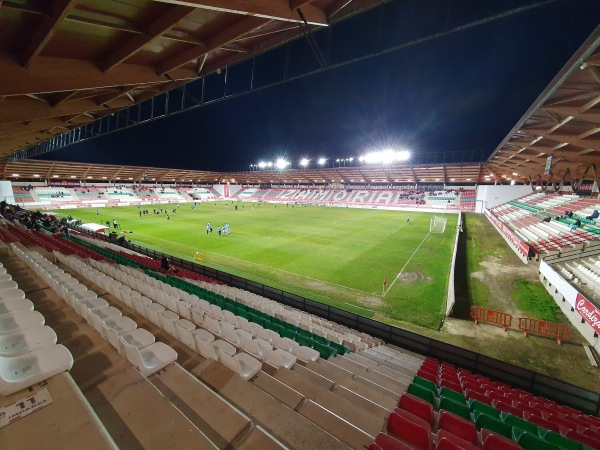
(54,176)
(304,162)
(262,165)
(322,161)
(269,164)
(281,164)
(35,175)
(385,157)
(14,174)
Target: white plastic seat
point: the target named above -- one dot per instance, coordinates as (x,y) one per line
(11,293)
(282,343)
(197,315)
(8,284)
(183,329)
(203,335)
(279,358)
(152,312)
(122,324)
(167,321)
(12,305)
(224,346)
(231,318)
(217,312)
(243,364)
(20,320)
(139,304)
(96,316)
(26,341)
(212,325)
(183,308)
(205,348)
(256,347)
(139,338)
(20,372)
(230,335)
(93,302)
(305,354)
(245,325)
(5,276)
(204,305)
(150,359)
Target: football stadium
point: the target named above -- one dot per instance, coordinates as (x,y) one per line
(395,296)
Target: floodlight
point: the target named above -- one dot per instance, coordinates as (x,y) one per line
(269,164)
(262,165)
(304,162)
(322,161)
(387,156)
(281,164)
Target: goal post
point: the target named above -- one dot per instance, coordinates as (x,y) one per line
(437,224)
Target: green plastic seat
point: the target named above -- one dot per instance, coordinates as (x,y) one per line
(515,421)
(425,383)
(286,333)
(306,341)
(455,407)
(325,351)
(341,349)
(476,405)
(423,393)
(456,396)
(482,420)
(530,441)
(559,439)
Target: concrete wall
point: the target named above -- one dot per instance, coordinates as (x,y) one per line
(6,192)
(565,296)
(490,196)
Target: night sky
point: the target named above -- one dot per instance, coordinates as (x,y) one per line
(462,91)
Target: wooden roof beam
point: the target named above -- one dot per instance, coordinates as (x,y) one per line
(51,74)
(230,34)
(154,30)
(280,10)
(45,31)
(30,110)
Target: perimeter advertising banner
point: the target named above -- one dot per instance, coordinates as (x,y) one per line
(523,247)
(589,312)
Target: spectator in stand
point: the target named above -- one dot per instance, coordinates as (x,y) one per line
(115,224)
(594,215)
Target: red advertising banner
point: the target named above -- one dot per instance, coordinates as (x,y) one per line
(523,247)
(589,312)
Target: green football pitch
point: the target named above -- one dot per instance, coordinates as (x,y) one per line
(337,256)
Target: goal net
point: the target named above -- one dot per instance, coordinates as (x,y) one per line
(437,224)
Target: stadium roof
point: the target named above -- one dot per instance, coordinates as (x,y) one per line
(564,122)
(86,59)
(32,170)
(65,63)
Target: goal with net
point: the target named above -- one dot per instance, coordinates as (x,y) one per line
(437,225)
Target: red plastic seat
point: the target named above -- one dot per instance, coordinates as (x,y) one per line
(386,442)
(417,406)
(493,441)
(449,441)
(410,428)
(541,422)
(427,375)
(444,382)
(458,426)
(470,394)
(506,407)
(374,446)
(583,439)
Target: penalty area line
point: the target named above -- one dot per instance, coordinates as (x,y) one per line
(406,264)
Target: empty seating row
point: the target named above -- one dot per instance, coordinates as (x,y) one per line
(28,350)
(137,345)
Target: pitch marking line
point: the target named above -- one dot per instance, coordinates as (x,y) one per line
(261,265)
(411,257)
